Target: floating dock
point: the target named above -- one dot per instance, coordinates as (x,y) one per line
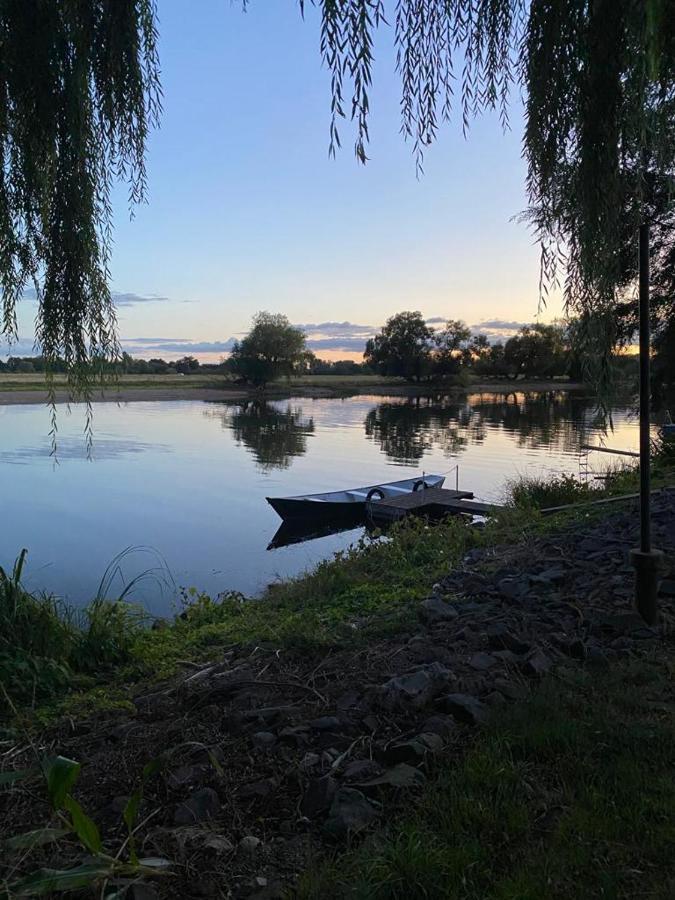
(432,501)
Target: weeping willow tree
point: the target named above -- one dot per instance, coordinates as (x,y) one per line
(598,78)
(79,91)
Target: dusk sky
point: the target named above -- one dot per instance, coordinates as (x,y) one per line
(247,212)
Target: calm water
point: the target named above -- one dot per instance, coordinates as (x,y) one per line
(189,478)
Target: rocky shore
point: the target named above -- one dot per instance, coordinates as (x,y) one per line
(269,758)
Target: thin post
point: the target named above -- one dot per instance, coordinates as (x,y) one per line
(645,394)
(646,560)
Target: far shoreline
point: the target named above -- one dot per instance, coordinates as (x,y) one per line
(151,393)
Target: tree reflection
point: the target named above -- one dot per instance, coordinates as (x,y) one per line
(405,430)
(273,436)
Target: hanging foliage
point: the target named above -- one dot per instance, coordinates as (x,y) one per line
(598,78)
(79,91)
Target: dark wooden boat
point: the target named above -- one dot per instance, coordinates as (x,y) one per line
(332,504)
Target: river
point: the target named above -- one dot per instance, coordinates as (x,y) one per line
(184,483)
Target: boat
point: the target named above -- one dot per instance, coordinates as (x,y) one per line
(332,504)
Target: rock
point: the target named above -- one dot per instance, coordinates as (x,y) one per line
(184,776)
(433,610)
(318,796)
(514,588)
(500,638)
(415,749)
(511,689)
(494,698)
(325,723)
(218,843)
(481,662)
(264,740)
(597,658)
(414,689)
(440,724)
(359,769)
(537,664)
(257,790)
(350,812)
(576,649)
(463,707)
(554,575)
(249,845)
(141,891)
(294,734)
(203,804)
(310,761)
(400,776)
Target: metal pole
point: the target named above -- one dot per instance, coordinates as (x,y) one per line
(647,561)
(645,393)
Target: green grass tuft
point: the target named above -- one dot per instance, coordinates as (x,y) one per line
(571,795)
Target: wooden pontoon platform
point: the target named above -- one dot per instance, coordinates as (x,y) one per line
(432,501)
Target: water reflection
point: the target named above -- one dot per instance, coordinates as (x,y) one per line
(407,430)
(273,436)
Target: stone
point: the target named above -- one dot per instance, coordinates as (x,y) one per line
(141,891)
(249,845)
(350,812)
(481,662)
(537,664)
(203,804)
(440,725)
(264,740)
(294,734)
(325,723)
(318,796)
(554,575)
(494,698)
(597,658)
(514,588)
(463,707)
(257,790)
(400,776)
(359,769)
(500,638)
(433,610)
(218,843)
(414,749)
(512,690)
(414,689)
(184,776)
(310,760)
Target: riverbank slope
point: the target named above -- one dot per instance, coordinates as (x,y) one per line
(447,679)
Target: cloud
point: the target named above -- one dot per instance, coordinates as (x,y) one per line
(353,345)
(501,324)
(177,345)
(436,320)
(128,298)
(498,330)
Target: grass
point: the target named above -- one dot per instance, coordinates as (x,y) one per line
(47,648)
(541,492)
(571,795)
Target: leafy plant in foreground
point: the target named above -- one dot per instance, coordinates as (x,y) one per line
(60,775)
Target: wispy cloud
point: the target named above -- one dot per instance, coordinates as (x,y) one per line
(120,298)
(501,324)
(176,345)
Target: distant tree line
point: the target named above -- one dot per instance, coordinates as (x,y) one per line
(408,347)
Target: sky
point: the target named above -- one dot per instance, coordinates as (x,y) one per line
(246,211)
